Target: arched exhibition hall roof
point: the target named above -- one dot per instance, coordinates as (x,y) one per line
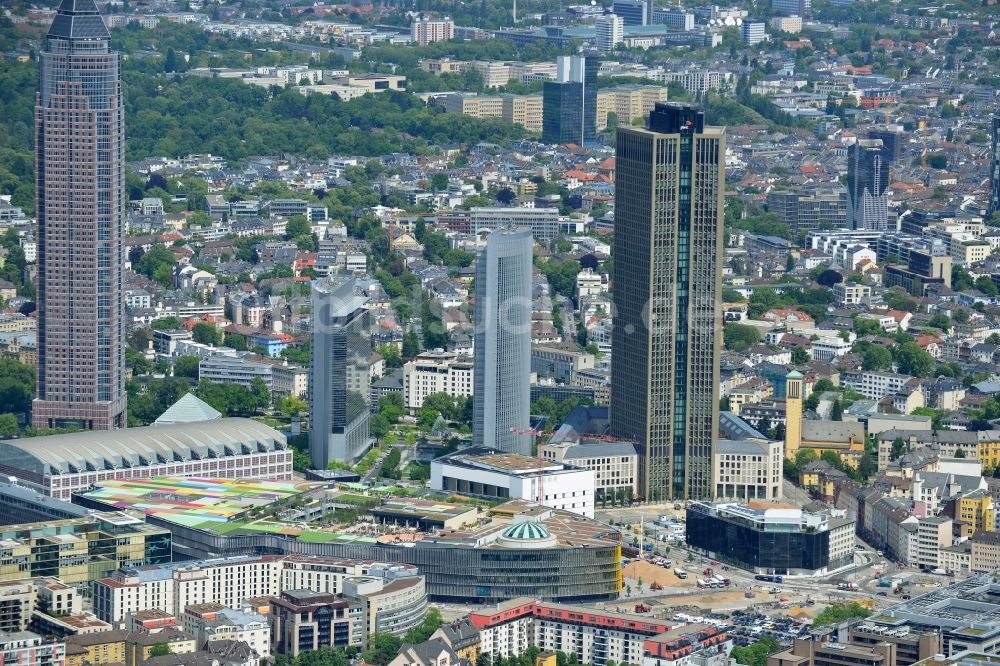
(139,447)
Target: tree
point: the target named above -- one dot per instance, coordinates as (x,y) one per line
(829,277)
(261,393)
(378,426)
(135,360)
(740,337)
(984,284)
(912,360)
(959,453)
(756,653)
(837,411)
(206,333)
(17,385)
(941,321)
(160,650)
(289,405)
(837,613)
(876,357)
(390,353)
(865,326)
(411,344)
(186,366)
(157,264)
(799,355)
(439,182)
(382,648)
(9,425)
(297,226)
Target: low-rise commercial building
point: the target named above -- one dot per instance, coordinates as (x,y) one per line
(810,652)
(966,615)
(748,469)
(559,363)
(486,473)
(615,465)
(771,541)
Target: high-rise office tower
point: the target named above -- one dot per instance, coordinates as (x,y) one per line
(610,32)
(339,373)
(569,104)
(80,203)
(633,12)
(867,185)
(995,166)
(892,141)
(669,186)
(502,374)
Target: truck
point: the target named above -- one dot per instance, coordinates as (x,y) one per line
(680,573)
(768,578)
(940,572)
(642,608)
(884,582)
(847,586)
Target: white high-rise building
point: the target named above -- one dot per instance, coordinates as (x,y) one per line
(753,32)
(424,31)
(610,32)
(502,374)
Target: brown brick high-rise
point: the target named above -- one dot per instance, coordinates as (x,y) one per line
(79,138)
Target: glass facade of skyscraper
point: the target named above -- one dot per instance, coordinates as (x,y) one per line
(667,329)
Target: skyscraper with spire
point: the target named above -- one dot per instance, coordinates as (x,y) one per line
(80,198)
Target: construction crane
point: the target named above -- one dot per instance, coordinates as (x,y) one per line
(540,474)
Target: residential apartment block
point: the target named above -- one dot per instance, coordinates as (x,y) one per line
(436,372)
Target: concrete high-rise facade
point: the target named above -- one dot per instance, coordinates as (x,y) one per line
(569,104)
(423,31)
(995,166)
(339,373)
(610,32)
(80,199)
(669,187)
(868,185)
(502,373)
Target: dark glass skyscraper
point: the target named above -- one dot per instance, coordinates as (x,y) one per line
(569,104)
(669,187)
(995,166)
(867,185)
(80,157)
